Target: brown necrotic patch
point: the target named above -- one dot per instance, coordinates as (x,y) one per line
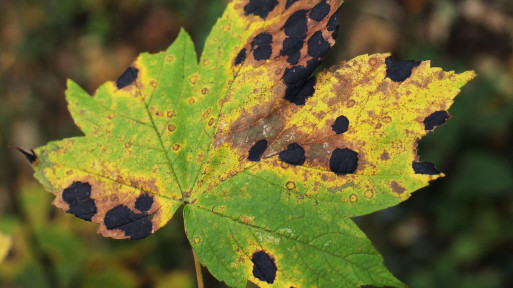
(264,268)
(78,197)
(260,8)
(127,78)
(436,119)
(343,161)
(399,71)
(257,150)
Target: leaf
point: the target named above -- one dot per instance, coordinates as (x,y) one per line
(268,161)
(5,246)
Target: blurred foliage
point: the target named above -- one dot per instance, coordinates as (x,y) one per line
(458,232)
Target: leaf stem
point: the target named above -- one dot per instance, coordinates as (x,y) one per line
(199,275)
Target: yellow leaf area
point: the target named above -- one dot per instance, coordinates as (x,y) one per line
(5,246)
(268,159)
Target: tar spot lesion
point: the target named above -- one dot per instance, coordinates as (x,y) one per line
(320,11)
(257,150)
(343,161)
(318,47)
(399,71)
(340,125)
(426,168)
(436,119)
(295,28)
(333,24)
(261,46)
(144,202)
(289,3)
(127,78)
(241,57)
(264,267)
(134,225)
(294,155)
(78,198)
(260,8)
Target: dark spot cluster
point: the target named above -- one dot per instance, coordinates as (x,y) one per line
(436,119)
(426,168)
(294,154)
(300,86)
(257,150)
(260,8)
(343,161)
(264,268)
(127,78)
(78,197)
(261,46)
(399,71)
(135,225)
(295,29)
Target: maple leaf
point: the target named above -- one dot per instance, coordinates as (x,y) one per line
(268,160)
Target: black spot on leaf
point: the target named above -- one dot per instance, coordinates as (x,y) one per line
(343,161)
(135,225)
(294,155)
(78,197)
(144,202)
(31,157)
(298,85)
(399,71)
(127,78)
(241,56)
(261,45)
(289,2)
(260,8)
(295,26)
(300,95)
(264,267)
(256,152)
(333,24)
(317,46)
(426,168)
(341,124)
(292,49)
(320,11)
(436,119)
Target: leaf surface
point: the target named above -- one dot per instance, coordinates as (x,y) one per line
(269,160)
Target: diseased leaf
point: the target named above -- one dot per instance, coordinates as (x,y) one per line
(269,161)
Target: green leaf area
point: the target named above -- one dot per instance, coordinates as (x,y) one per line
(269,160)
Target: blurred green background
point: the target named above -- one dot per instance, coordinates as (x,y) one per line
(458,232)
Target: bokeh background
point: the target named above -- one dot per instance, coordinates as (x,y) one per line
(458,232)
